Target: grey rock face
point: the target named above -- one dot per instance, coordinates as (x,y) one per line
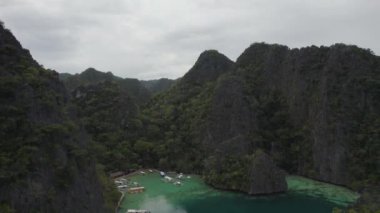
(48,169)
(264,176)
(325,92)
(229,116)
(322,90)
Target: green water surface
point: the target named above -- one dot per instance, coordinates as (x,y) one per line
(193,196)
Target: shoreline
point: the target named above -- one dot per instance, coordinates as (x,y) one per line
(138,172)
(119,202)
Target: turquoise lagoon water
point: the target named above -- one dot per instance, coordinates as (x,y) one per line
(194,196)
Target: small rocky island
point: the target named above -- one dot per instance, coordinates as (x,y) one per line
(264,176)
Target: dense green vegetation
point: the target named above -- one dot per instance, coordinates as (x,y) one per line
(21,131)
(166,122)
(125,139)
(213,120)
(312,111)
(157,86)
(232,174)
(282,121)
(129,86)
(44,154)
(110,116)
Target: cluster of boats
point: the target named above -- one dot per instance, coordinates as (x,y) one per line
(137,211)
(171,177)
(123,184)
(134,187)
(175,181)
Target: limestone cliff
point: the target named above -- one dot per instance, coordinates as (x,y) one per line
(314,111)
(45,165)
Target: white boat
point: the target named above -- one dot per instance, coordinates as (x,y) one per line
(168,178)
(137,211)
(122,187)
(162,174)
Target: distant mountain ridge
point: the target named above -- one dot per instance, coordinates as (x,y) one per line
(159,85)
(91,76)
(141,90)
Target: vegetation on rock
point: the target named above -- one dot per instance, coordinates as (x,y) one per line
(45,165)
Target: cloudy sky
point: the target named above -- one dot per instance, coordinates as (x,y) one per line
(149,39)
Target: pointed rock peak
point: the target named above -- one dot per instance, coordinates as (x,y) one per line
(212,56)
(211,53)
(209,66)
(12,52)
(92,72)
(6,37)
(265,176)
(89,76)
(91,69)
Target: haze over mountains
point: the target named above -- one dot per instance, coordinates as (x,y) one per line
(243,125)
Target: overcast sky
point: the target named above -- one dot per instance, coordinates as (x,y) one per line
(149,39)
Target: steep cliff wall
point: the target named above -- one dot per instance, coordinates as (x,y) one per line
(314,111)
(328,92)
(45,165)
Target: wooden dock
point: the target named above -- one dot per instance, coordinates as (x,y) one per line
(135,190)
(137,211)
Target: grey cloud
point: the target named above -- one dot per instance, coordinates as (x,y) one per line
(162,38)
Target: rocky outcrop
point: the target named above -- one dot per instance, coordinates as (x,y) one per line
(264,176)
(231,167)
